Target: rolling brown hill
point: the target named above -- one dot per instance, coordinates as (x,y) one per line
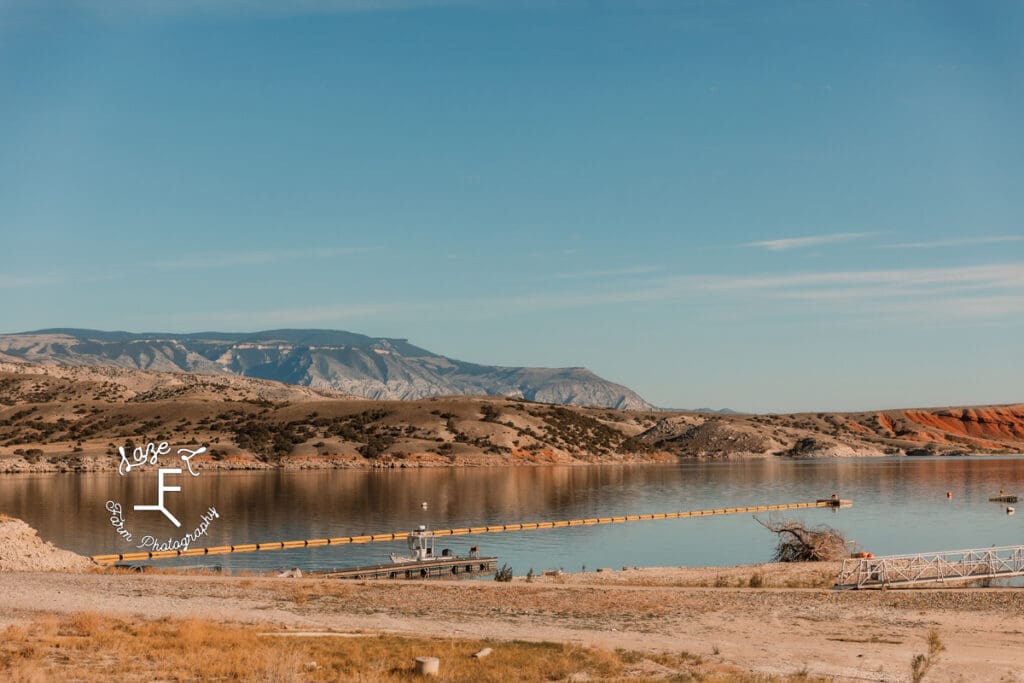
(73,418)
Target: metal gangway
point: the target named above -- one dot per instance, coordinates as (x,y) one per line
(929,568)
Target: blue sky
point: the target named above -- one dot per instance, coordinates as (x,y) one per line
(769,206)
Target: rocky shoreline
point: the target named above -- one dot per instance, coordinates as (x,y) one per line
(73,463)
(16,465)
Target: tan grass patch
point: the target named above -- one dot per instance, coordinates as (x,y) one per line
(88,647)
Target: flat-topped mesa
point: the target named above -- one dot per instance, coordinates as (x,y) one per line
(370,367)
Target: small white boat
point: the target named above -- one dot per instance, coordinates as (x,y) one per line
(421,543)
(1010,510)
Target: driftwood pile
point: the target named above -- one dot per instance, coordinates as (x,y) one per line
(801,543)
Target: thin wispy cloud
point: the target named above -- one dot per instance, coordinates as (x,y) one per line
(254,258)
(1003,275)
(957,242)
(301,316)
(997,289)
(957,307)
(158,8)
(993,291)
(21,281)
(609,273)
(968,293)
(787,243)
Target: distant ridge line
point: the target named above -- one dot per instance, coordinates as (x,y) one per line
(386,368)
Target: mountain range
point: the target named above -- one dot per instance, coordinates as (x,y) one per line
(368,367)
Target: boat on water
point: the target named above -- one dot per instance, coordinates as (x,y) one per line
(421,562)
(421,545)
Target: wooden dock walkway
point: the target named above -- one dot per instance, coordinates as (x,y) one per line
(1003,499)
(443,566)
(490,529)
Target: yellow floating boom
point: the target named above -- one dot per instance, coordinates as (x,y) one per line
(491,529)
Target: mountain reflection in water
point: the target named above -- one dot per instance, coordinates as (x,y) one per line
(900,505)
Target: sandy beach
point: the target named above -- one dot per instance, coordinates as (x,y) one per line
(814,632)
(770,621)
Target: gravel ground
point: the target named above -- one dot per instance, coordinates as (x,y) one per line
(21,549)
(778,628)
(841,635)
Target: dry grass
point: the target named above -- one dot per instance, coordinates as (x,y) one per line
(89,647)
(113,569)
(771,575)
(298,593)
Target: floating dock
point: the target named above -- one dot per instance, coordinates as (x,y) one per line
(447,566)
(490,529)
(1003,499)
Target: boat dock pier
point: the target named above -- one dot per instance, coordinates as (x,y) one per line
(443,566)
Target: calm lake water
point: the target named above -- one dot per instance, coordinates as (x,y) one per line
(900,506)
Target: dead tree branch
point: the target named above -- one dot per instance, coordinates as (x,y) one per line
(801,543)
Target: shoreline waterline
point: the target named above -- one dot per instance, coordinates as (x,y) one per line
(275,505)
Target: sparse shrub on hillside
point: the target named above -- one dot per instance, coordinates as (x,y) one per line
(375,446)
(456,434)
(576,431)
(268,440)
(635,445)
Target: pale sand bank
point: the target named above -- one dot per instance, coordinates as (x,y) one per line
(847,635)
(773,629)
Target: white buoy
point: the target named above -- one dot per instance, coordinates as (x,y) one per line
(424,505)
(1010,510)
(428,666)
